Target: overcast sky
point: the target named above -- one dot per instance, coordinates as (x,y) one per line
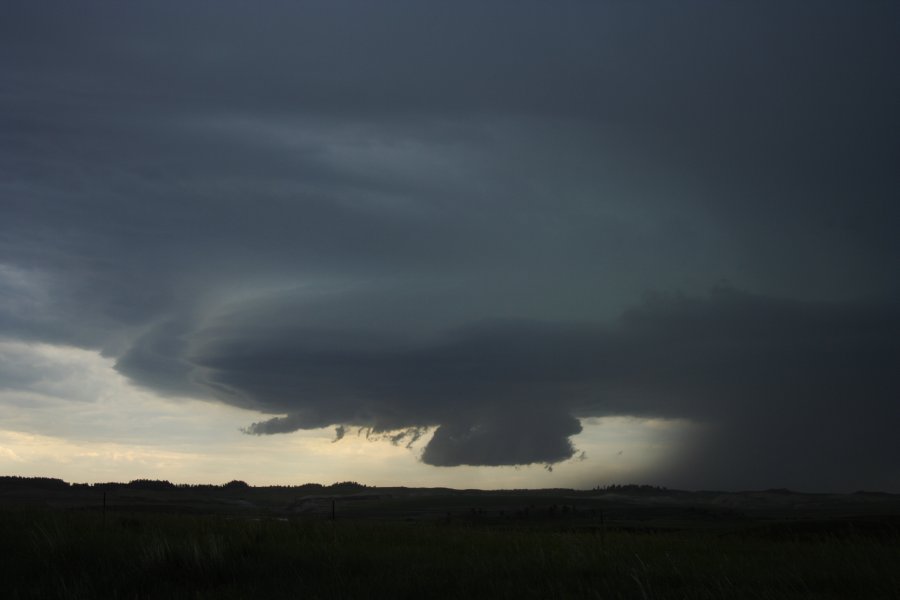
(452,243)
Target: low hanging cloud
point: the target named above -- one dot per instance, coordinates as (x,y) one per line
(512,436)
(759,371)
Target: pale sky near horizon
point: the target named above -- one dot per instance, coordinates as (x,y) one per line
(116,432)
(540,244)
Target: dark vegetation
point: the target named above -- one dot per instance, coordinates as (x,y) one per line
(159,540)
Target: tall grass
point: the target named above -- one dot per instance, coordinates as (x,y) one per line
(73,555)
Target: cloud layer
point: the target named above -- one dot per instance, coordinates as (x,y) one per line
(784,385)
(451,216)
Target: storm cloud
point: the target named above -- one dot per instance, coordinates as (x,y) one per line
(789,382)
(493,220)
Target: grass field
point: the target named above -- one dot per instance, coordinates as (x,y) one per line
(81,554)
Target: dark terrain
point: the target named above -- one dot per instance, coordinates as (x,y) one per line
(154,539)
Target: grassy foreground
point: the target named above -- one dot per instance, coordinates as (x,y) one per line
(74,554)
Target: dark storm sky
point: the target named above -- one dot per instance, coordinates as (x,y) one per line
(497,218)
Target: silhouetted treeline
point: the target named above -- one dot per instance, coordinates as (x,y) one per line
(50,483)
(44,483)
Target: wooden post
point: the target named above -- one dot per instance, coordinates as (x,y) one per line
(332,509)
(104,510)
